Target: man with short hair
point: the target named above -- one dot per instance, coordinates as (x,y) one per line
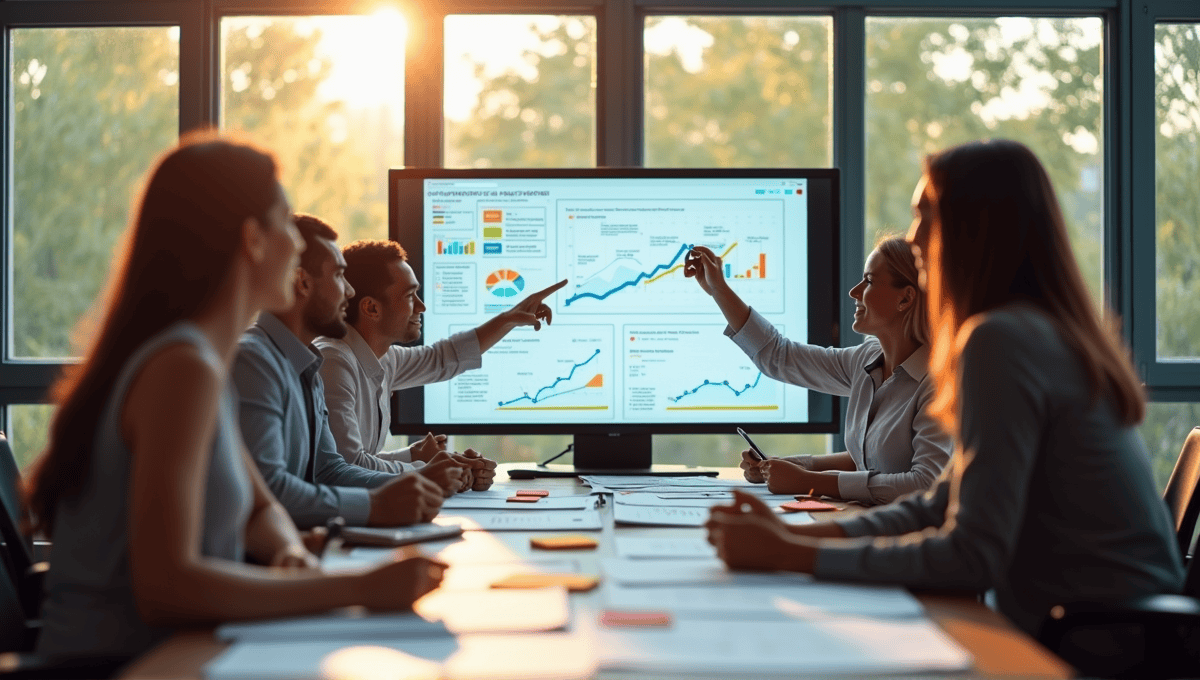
(364,367)
(284,420)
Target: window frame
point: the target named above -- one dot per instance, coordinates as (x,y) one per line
(1171,380)
(1127,134)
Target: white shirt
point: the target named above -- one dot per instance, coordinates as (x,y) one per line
(358,388)
(896,445)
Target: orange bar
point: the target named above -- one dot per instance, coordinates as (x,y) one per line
(439,247)
(762,265)
(749,273)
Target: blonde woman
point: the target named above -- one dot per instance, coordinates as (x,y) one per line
(894,446)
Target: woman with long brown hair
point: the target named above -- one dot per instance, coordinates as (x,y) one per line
(146,489)
(1049,497)
(894,446)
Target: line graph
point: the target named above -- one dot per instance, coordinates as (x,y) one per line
(679,266)
(723,383)
(597,381)
(634,281)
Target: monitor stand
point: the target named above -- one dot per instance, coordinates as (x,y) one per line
(612,454)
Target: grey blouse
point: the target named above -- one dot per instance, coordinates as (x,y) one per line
(89,605)
(1050,498)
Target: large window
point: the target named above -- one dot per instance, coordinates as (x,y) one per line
(739,91)
(520,91)
(326,95)
(91,109)
(1177,200)
(1105,92)
(932,83)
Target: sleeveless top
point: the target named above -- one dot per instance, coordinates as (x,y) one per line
(89,605)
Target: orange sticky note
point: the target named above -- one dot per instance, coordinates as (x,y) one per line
(576,583)
(523,499)
(564,542)
(646,619)
(807,506)
(540,493)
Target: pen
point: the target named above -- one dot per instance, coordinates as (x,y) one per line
(333,536)
(753,447)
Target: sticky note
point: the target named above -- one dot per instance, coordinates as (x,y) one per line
(564,542)
(807,506)
(540,493)
(643,619)
(523,499)
(577,583)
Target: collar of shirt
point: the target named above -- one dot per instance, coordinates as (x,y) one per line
(367,361)
(303,358)
(916,366)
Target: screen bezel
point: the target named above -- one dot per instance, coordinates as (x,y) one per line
(406,199)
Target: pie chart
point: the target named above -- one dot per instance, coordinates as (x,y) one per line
(505,283)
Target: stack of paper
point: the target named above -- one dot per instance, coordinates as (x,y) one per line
(500,635)
(821,647)
(557,656)
(752,624)
(683,509)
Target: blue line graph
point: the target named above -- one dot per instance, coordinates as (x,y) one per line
(644,275)
(725,384)
(537,397)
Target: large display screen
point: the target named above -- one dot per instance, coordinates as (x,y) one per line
(634,345)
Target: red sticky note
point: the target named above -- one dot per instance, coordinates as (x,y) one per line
(540,493)
(646,619)
(807,506)
(523,499)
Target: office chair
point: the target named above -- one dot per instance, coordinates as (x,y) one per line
(1146,637)
(20,597)
(26,574)
(1181,496)
(18,636)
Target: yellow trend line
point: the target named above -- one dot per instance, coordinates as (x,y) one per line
(649,281)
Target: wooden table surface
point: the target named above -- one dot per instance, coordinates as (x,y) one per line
(999,648)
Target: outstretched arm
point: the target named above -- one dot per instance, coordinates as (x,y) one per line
(531,311)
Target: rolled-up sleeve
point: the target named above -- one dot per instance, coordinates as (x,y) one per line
(931,449)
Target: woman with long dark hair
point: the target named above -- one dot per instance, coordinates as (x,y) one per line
(1049,497)
(152,503)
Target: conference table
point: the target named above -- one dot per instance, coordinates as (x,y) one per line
(998,648)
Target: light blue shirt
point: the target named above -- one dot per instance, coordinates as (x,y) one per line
(896,445)
(296,456)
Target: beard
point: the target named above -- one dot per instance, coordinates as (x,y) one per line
(333,326)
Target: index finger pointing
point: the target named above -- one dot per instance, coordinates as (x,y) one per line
(548,290)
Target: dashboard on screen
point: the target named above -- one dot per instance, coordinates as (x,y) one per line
(634,345)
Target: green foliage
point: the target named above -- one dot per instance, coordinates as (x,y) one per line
(760,96)
(542,116)
(933,83)
(1177,66)
(1165,428)
(91,110)
(270,89)
(28,431)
